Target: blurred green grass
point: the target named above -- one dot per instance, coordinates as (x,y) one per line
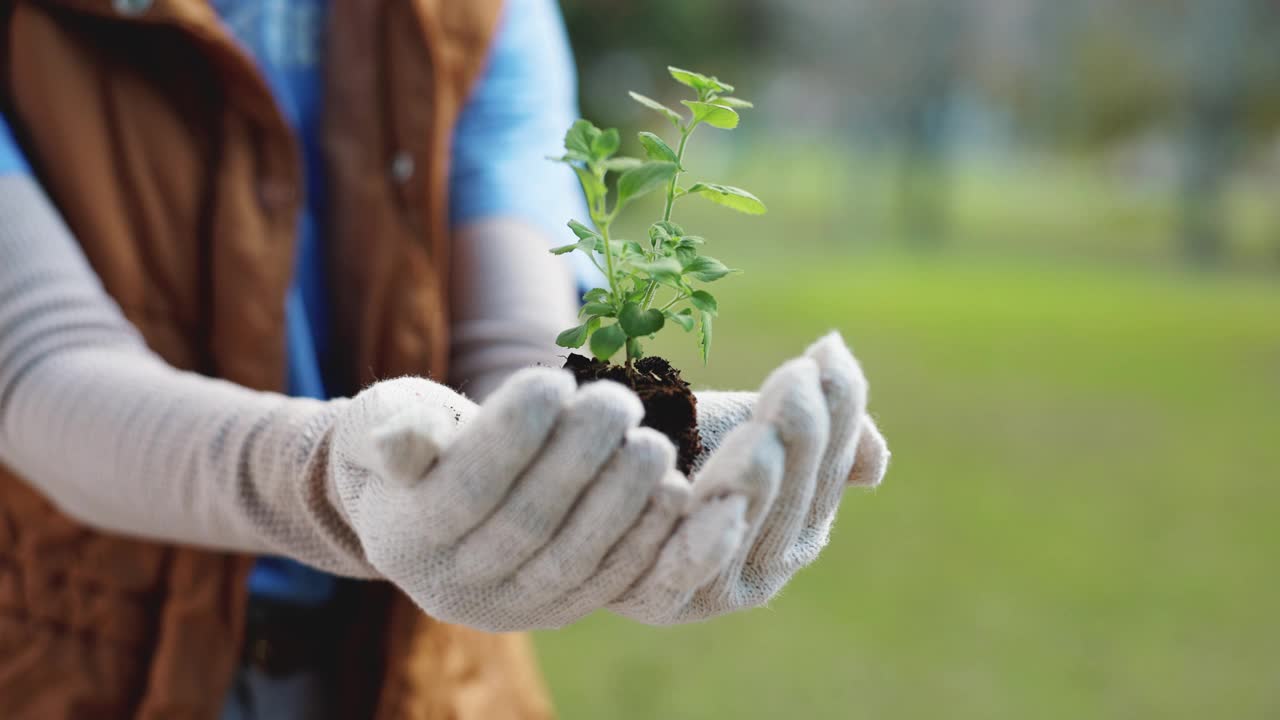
(1079,520)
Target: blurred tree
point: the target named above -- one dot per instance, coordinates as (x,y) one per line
(1088,73)
(938,28)
(1122,81)
(1217,90)
(1080,78)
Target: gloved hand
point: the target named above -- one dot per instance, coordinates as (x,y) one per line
(550,503)
(789,452)
(491,516)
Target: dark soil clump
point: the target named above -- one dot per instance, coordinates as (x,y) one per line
(669,405)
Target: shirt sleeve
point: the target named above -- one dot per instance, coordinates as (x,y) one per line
(12,160)
(124,442)
(515,119)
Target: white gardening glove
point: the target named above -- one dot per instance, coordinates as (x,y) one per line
(779,463)
(491,516)
(549,503)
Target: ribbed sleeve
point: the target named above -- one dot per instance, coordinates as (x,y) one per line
(124,442)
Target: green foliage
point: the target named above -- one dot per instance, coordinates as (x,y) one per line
(704,335)
(706,269)
(657,148)
(607,340)
(575,337)
(638,322)
(652,104)
(729,196)
(684,318)
(704,301)
(643,179)
(720,116)
(671,261)
(704,84)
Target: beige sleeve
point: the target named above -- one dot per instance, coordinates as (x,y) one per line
(511,297)
(124,442)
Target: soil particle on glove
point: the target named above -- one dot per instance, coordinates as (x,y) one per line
(669,405)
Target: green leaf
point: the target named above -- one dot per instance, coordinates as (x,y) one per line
(689,78)
(658,234)
(729,196)
(698,81)
(704,301)
(620,164)
(606,341)
(605,144)
(704,336)
(588,244)
(570,158)
(574,337)
(582,231)
(663,268)
(595,295)
(664,233)
(714,115)
(691,241)
(591,185)
(644,179)
(657,149)
(678,285)
(686,255)
(672,229)
(588,240)
(636,322)
(684,318)
(579,137)
(652,104)
(706,268)
(734,102)
(596,308)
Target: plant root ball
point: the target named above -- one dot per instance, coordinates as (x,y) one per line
(669,405)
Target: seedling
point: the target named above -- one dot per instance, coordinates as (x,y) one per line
(651,282)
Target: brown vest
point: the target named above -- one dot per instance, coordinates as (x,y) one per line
(164,150)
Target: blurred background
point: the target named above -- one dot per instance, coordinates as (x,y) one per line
(1051,233)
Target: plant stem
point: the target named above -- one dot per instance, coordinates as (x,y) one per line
(674,300)
(603,224)
(608,261)
(648,294)
(685,132)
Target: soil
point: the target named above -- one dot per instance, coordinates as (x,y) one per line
(669,405)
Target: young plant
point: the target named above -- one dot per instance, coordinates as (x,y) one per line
(649,283)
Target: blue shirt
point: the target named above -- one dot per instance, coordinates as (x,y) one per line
(516,117)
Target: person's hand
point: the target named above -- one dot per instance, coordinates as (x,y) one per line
(778,464)
(491,516)
(549,503)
